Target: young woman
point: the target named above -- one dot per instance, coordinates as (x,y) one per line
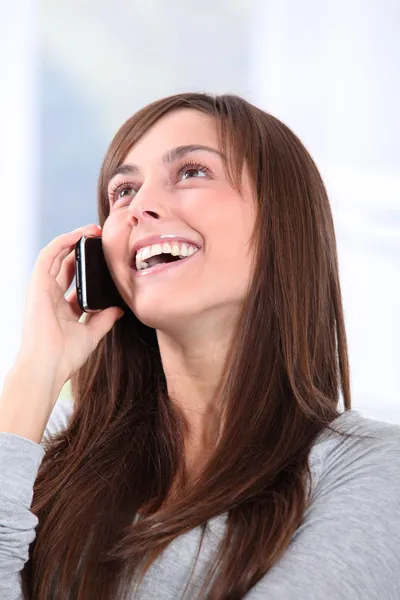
(206,455)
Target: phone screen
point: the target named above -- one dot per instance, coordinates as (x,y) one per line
(95,287)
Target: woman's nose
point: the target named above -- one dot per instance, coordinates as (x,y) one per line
(138,216)
(147,205)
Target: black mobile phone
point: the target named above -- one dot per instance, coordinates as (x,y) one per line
(95,288)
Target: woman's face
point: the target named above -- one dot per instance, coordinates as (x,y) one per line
(174,190)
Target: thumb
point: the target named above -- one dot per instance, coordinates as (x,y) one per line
(100,323)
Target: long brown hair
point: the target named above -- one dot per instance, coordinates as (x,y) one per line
(101,489)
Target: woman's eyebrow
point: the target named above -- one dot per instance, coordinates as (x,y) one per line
(169,157)
(181,151)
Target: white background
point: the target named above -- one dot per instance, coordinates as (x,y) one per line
(72,72)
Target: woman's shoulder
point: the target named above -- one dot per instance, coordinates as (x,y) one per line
(356,445)
(347,544)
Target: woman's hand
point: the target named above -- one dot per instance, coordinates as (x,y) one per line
(51,332)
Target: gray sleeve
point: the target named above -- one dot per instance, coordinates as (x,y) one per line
(348,545)
(20,460)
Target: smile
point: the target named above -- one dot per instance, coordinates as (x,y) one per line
(158,257)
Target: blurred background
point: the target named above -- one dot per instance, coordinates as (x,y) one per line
(73,72)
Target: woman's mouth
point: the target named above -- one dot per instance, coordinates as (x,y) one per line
(159,257)
(158,268)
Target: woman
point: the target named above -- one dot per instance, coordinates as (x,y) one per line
(206,456)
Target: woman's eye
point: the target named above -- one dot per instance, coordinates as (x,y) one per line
(124,193)
(191,172)
(126,189)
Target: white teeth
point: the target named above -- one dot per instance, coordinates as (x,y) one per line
(175,249)
(145,252)
(180,249)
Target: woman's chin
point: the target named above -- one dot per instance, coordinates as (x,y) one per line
(162,318)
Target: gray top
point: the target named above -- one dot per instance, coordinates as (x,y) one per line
(346,548)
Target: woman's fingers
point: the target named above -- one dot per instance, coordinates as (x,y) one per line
(58,261)
(51,256)
(100,323)
(67,272)
(72,300)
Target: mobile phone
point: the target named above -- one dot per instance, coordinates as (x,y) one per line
(95,288)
